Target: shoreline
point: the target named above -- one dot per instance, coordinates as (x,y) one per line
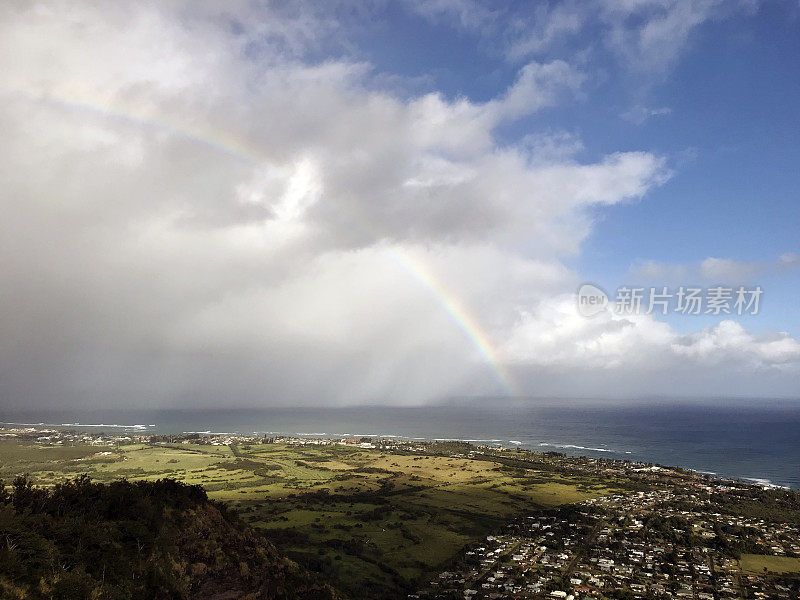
(226,438)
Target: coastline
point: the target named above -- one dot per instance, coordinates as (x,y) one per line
(142,432)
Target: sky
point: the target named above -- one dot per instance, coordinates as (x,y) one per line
(253,204)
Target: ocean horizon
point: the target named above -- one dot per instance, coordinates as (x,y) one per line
(754,441)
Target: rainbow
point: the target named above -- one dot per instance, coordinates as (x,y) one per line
(217,140)
(224,143)
(459,314)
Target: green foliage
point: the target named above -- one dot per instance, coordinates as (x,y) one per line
(135,540)
(74,585)
(776,505)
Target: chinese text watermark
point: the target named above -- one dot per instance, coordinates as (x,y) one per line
(685,300)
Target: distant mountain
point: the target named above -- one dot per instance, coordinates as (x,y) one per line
(156,540)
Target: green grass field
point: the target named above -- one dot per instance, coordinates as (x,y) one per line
(756,563)
(371,519)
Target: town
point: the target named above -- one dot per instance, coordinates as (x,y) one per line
(658,544)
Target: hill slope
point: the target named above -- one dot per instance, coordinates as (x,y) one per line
(149,540)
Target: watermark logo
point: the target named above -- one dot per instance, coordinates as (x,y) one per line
(591,300)
(685,300)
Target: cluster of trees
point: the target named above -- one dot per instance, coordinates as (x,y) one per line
(134,540)
(777,505)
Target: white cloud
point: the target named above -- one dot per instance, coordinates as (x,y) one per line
(538,85)
(552,146)
(639,114)
(729,342)
(556,335)
(789,261)
(635,354)
(465,14)
(649,35)
(646,36)
(712,270)
(549,25)
(725,269)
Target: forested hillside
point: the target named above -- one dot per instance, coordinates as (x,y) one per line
(145,540)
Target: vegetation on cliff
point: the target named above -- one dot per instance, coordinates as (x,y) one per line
(147,540)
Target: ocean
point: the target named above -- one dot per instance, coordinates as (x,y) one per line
(756,440)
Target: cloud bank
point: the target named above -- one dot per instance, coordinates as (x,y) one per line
(197,211)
